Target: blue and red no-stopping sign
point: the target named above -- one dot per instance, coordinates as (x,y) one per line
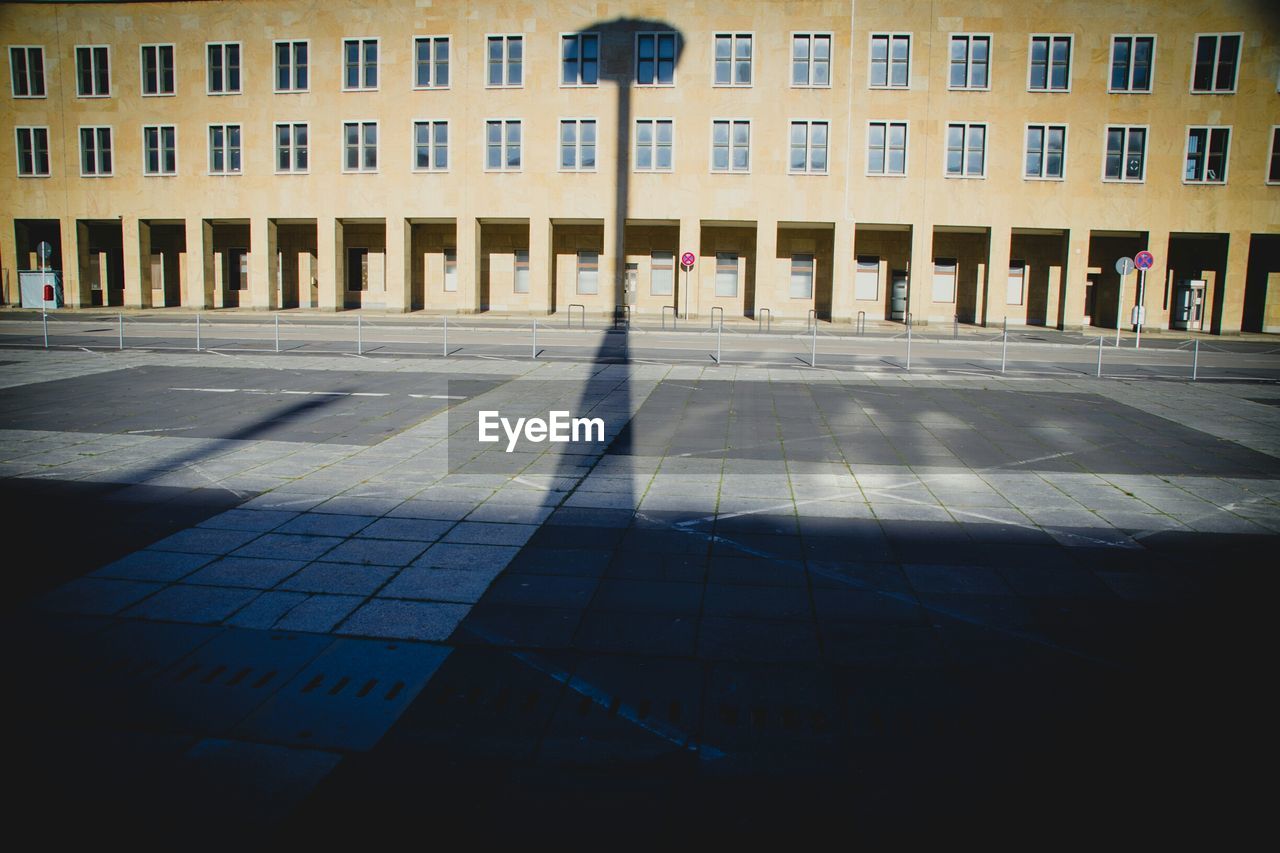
(1143,260)
(687,259)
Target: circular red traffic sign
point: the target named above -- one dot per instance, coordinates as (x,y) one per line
(688,258)
(1143,260)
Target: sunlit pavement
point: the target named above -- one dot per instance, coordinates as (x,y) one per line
(292,595)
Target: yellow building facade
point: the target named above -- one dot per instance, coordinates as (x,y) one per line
(986,161)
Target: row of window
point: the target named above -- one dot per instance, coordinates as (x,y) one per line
(1214,67)
(1206,152)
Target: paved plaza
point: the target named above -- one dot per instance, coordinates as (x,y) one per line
(293,593)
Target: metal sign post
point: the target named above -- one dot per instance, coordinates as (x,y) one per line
(1124,266)
(1143,261)
(686,261)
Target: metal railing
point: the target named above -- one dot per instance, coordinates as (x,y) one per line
(763,314)
(860,325)
(674,316)
(582,317)
(714,309)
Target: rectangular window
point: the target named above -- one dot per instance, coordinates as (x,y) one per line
(890,60)
(966,150)
(656,59)
(224,149)
(360,146)
(588,272)
(808,147)
(521,283)
(1131,59)
(93,72)
(26,71)
(578,145)
(157,69)
(95,151)
(726,273)
(1046,145)
(1273,171)
(1126,154)
(1050,64)
(291,66)
(1016,285)
(431,146)
(654,140)
(431,62)
(801,277)
(662,273)
(33,152)
(944,279)
(1207,155)
(887,148)
(160,150)
(811,59)
(579,59)
(970,59)
(451,270)
(730,146)
(866,282)
(291,148)
(359,64)
(224,69)
(1217,60)
(502,144)
(732,59)
(506,61)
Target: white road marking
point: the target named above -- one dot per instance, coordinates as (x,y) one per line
(208,390)
(158,429)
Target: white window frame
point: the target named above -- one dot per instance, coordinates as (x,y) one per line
(226,158)
(1271,155)
(293,147)
(733,37)
(656,35)
(17,151)
(1151,74)
(635,141)
(737,276)
(811,35)
(906,149)
(808,146)
(813,275)
(1217,52)
(964,152)
(413,144)
(517,267)
(653,267)
(1021,265)
(1045,125)
(578,270)
(560,60)
(449,284)
(888,79)
(730,170)
(506,62)
(1048,70)
(1146,147)
(142,70)
(968,61)
(361,65)
(955,281)
(208,71)
(26,60)
(858,267)
(577,144)
(160,138)
(294,89)
(505,144)
(1226,155)
(433,40)
(97,150)
(75,54)
(362,169)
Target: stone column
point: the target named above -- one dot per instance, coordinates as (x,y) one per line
(1232,284)
(329,265)
(687,290)
(842,272)
(1074,278)
(263,272)
(920,273)
(999,249)
(136,236)
(398,273)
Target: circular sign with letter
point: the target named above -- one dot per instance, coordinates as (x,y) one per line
(1124,266)
(688,258)
(44,250)
(1143,260)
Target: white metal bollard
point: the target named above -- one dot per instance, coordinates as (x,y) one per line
(1099,356)
(197,331)
(1004,351)
(359,335)
(45,319)
(813,347)
(1195,359)
(719,331)
(534,351)
(445,353)
(908,346)
(121,316)
(277,333)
